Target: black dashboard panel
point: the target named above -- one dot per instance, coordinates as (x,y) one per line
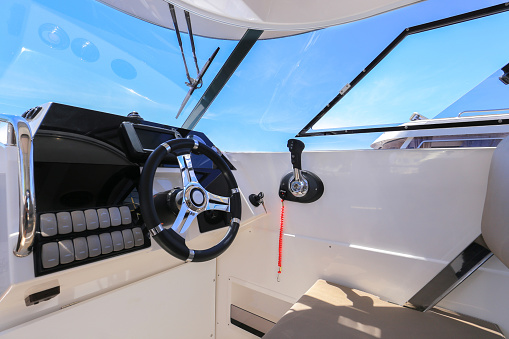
(102,126)
(87,161)
(75,171)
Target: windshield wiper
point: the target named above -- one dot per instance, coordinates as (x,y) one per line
(190,31)
(193,83)
(177,31)
(197,81)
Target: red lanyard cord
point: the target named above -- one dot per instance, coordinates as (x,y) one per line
(279,263)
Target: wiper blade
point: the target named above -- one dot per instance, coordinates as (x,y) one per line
(177,31)
(197,81)
(190,31)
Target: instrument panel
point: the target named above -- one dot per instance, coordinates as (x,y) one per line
(87,167)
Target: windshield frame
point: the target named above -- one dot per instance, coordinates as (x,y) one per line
(307,130)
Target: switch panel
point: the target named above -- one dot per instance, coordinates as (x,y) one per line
(67,239)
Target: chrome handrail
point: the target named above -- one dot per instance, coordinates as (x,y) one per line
(20,135)
(484,111)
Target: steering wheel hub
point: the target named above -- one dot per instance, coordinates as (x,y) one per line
(195,198)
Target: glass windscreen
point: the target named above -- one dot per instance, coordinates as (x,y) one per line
(489,97)
(283,83)
(86,54)
(425,74)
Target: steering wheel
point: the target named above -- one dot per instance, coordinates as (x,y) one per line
(195,200)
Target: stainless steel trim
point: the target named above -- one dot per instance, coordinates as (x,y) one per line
(20,135)
(235,190)
(460,280)
(156,230)
(196,144)
(460,268)
(217,202)
(184,219)
(237,220)
(186,170)
(191,256)
(168,147)
(296,174)
(298,184)
(484,111)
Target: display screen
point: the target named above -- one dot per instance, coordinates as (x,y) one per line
(151,139)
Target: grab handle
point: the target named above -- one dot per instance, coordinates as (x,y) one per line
(20,135)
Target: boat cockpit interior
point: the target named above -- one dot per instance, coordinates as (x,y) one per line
(246,169)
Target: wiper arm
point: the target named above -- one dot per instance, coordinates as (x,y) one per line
(190,31)
(177,31)
(194,84)
(197,81)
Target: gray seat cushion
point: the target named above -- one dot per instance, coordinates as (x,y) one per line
(495,219)
(333,311)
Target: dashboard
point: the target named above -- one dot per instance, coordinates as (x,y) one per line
(87,168)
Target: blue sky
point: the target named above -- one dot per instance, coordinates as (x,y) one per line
(85,54)
(290,81)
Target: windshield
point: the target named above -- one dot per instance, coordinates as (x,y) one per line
(284,83)
(489,97)
(86,54)
(425,74)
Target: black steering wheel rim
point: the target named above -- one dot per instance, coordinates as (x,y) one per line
(168,239)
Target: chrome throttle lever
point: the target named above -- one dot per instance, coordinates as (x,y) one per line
(298,184)
(304,186)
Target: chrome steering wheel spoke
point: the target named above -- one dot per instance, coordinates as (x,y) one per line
(184,219)
(217,202)
(186,169)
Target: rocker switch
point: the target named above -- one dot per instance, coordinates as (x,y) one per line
(64,222)
(48,224)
